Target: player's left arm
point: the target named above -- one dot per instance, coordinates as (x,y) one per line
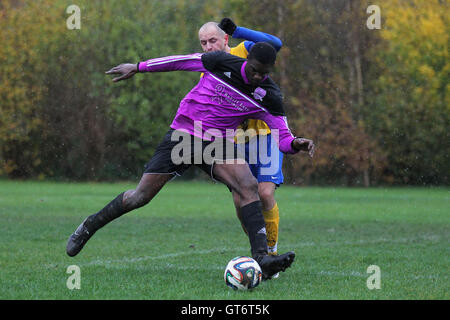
(191,62)
(250,35)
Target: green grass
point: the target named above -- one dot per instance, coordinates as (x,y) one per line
(177,246)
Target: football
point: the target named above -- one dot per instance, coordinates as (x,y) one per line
(243,273)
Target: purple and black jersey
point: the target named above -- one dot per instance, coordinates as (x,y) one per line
(223,98)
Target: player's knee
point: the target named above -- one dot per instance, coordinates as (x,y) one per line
(135,199)
(266,194)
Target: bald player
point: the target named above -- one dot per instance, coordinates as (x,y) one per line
(215,36)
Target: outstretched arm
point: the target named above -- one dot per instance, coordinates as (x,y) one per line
(230,28)
(190,62)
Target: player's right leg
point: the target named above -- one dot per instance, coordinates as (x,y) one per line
(269,175)
(147,188)
(239,178)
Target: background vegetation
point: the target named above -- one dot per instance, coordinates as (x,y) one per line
(375,101)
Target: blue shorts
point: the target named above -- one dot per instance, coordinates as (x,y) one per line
(265,159)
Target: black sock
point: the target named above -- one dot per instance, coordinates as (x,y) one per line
(253,220)
(111,211)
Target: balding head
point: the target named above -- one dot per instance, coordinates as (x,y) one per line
(212,38)
(212,27)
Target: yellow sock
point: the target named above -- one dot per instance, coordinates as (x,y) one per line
(272,219)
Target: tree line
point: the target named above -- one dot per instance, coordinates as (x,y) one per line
(376,101)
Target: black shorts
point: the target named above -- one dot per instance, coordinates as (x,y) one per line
(178,151)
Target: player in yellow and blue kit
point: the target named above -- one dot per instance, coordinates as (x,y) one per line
(215,37)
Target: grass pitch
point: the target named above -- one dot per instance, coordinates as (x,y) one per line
(177,246)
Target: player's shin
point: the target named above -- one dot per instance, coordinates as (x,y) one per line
(253,222)
(111,211)
(272,219)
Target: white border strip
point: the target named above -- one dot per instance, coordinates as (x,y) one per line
(170,59)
